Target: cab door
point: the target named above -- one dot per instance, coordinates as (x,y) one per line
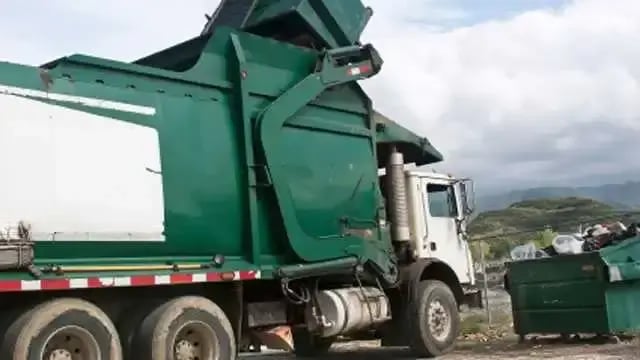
(443,239)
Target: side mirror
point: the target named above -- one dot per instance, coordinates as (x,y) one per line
(467,195)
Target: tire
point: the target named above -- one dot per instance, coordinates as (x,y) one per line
(63,326)
(426,340)
(307,345)
(189,325)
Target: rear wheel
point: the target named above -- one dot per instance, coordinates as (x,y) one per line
(188,327)
(434,319)
(62,329)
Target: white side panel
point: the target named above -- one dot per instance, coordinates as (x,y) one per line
(72,175)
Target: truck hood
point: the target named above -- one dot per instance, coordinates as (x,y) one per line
(416,149)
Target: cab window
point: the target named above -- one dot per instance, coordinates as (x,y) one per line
(442,201)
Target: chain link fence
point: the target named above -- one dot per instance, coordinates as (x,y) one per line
(489,273)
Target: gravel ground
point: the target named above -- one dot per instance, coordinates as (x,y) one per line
(486,351)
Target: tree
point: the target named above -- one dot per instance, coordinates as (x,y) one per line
(476,247)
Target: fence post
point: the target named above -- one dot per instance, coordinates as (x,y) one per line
(486,284)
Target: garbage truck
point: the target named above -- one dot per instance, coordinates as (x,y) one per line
(241,181)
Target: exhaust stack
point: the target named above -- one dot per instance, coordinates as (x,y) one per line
(398,197)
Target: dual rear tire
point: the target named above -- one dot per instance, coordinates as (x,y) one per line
(62,329)
(188,327)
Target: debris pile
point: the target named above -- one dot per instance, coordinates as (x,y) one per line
(592,239)
(488,334)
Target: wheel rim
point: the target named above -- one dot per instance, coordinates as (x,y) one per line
(439,321)
(195,341)
(71,343)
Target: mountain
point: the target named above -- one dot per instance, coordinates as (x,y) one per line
(525,221)
(619,196)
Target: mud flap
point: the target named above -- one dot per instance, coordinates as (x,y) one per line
(473,298)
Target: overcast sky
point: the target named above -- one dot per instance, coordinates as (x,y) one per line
(513,92)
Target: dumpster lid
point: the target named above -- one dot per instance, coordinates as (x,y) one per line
(623,260)
(416,149)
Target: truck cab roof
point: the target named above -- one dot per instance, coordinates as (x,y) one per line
(411,169)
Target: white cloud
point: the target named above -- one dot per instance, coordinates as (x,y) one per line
(35,32)
(520,100)
(497,97)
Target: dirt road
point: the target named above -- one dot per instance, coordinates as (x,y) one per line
(505,350)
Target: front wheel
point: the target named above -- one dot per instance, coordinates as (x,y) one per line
(434,319)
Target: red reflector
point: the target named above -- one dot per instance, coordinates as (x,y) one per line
(358,70)
(227,276)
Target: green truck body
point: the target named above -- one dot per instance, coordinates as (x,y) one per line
(262,182)
(247,153)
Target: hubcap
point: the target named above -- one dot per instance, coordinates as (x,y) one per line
(71,343)
(185,350)
(60,354)
(439,321)
(195,341)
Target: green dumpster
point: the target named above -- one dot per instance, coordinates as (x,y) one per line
(596,292)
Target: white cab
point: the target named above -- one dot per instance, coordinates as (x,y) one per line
(438,222)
